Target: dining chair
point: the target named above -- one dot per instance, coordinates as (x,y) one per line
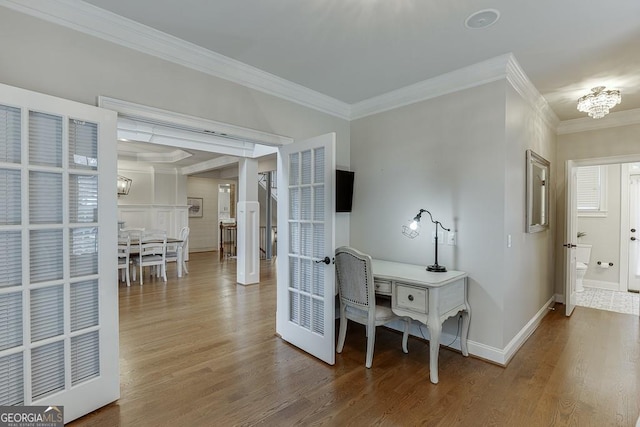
(176,251)
(152,250)
(124,252)
(356,291)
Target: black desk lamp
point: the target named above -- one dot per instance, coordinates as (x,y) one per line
(413,230)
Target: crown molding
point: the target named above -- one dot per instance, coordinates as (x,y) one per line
(89,19)
(518,79)
(584,124)
(454,81)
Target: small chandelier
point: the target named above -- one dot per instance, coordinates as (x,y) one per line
(599,101)
(124,185)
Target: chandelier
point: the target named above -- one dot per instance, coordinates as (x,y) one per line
(599,101)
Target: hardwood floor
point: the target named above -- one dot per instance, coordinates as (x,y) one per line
(202,351)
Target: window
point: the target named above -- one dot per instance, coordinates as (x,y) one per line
(592,191)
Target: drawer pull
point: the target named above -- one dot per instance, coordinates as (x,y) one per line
(410,297)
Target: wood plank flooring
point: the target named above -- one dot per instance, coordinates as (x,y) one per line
(202,351)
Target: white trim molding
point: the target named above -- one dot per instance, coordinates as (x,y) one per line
(620,118)
(501,67)
(108,26)
(91,20)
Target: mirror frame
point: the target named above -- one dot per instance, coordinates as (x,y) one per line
(534,161)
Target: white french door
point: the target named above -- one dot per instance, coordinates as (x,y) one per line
(634,234)
(306,205)
(570,237)
(58,233)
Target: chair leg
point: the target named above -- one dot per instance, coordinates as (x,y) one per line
(405,335)
(371,339)
(141,275)
(184,267)
(343,331)
(126,275)
(163,268)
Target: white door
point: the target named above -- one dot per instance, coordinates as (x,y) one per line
(570,238)
(306,205)
(58,236)
(634,233)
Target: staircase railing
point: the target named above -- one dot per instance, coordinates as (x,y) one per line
(229,240)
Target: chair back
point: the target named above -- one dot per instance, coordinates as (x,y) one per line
(184,236)
(124,249)
(354,278)
(153,242)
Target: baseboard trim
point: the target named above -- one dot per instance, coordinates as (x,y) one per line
(482,351)
(601,284)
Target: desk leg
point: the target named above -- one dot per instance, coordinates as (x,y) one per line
(466,320)
(435,329)
(179,261)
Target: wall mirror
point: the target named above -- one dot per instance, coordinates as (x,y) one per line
(226,202)
(538,186)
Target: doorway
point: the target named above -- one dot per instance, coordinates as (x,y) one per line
(606,210)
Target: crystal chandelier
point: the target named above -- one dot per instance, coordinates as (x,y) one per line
(599,101)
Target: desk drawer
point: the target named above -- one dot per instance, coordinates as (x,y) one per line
(412,298)
(382,286)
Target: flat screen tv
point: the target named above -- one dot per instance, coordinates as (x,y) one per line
(344,190)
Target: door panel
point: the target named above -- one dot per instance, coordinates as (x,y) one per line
(306,222)
(570,238)
(58,293)
(634,234)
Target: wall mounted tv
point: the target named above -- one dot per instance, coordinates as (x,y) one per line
(344,190)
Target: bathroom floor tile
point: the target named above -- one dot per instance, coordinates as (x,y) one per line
(604,299)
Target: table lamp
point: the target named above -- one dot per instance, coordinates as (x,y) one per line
(413,230)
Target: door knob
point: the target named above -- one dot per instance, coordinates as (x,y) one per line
(633,230)
(570,245)
(633,238)
(326,260)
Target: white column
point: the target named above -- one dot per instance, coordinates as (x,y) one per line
(248,222)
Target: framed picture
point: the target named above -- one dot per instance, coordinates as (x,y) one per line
(195,207)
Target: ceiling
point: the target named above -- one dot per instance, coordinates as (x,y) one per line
(342,55)
(353,50)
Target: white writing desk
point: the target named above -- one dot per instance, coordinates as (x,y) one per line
(425,296)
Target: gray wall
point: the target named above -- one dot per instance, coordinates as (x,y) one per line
(461,156)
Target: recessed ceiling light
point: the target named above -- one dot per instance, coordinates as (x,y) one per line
(482,19)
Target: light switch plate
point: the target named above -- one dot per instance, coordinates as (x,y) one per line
(451,238)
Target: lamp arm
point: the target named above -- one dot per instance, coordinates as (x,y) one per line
(437,223)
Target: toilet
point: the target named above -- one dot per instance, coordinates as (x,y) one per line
(583,253)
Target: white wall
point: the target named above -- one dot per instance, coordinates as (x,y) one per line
(204,232)
(595,144)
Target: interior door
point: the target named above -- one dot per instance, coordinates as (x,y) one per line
(634,234)
(58,236)
(570,238)
(306,222)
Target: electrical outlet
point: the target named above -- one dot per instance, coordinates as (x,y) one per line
(451,238)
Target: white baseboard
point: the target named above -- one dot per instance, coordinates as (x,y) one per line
(601,284)
(483,351)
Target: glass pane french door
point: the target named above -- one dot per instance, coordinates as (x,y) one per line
(306,295)
(58,305)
